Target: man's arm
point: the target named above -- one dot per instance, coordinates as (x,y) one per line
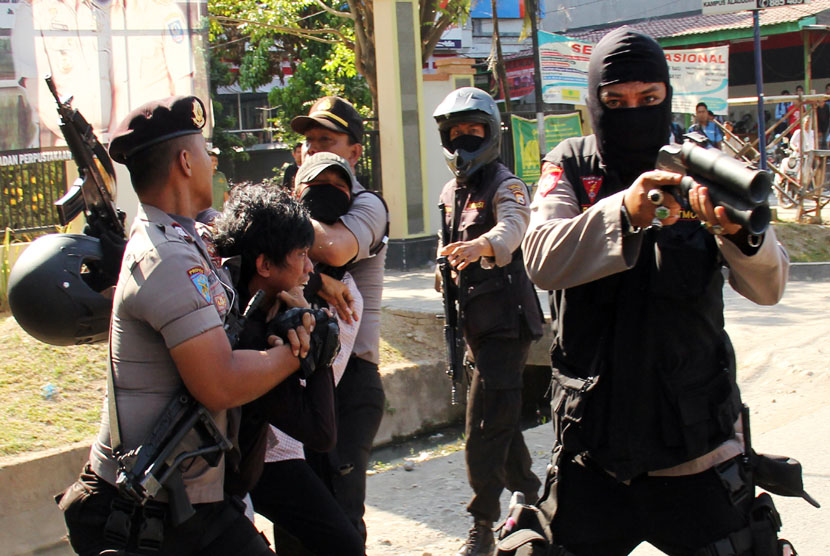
(366,219)
(221,378)
(511,207)
(167,292)
(496,246)
(762,276)
(759,272)
(334,244)
(565,247)
(337,294)
(718,136)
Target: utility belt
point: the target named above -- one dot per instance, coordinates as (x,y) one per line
(777,474)
(760,536)
(131,527)
(527,529)
(475,274)
(128,526)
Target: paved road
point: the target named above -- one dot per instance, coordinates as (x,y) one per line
(783,362)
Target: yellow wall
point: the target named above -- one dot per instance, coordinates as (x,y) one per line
(400,101)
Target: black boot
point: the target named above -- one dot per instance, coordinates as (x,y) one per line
(479,541)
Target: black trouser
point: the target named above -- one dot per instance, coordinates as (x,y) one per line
(217,529)
(294,498)
(596,515)
(496,454)
(359,400)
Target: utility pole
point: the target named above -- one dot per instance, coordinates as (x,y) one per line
(537,77)
(759,89)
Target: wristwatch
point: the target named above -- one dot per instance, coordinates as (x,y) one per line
(625,221)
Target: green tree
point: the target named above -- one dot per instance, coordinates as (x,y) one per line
(264,32)
(230,144)
(317,76)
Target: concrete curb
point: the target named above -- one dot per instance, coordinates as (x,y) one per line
(417,401)
(810,272)
(30,521)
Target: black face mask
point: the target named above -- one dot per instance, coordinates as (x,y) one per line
(325,202)
(628,138)
(469,143)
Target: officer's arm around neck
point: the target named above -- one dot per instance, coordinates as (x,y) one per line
(334,244)
(221,378)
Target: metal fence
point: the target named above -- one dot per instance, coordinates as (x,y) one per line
(27,196)
(507,157)
(368,169)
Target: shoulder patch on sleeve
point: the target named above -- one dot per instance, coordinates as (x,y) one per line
(175,29)
(518,192)
(550,177)
(200,281)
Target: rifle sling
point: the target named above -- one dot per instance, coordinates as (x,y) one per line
(115,429)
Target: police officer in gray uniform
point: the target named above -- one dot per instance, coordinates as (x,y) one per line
(356,242)
(166,333)
(485,215)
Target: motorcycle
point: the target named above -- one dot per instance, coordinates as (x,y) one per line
(791,164)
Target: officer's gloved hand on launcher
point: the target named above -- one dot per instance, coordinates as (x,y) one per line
(324,340)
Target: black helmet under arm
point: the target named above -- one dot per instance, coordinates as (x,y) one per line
(50,293)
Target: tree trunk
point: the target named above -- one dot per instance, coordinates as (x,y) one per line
(364,45)
(501,74)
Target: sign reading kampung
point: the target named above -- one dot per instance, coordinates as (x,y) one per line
(697,75)
(526,140)
(728,6)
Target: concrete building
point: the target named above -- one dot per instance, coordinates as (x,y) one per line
(565,16)
(793,42)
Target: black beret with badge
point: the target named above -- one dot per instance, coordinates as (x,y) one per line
(334,113)
(154,122)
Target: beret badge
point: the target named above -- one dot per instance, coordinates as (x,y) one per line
(198,114)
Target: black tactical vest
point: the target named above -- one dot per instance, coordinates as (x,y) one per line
(494,302)
(643,371)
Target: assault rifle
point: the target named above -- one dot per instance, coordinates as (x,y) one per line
(145,470)
(154,465)
(90,193)
(453,336)
(741,190)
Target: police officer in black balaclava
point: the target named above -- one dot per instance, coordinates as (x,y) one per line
(645,402)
